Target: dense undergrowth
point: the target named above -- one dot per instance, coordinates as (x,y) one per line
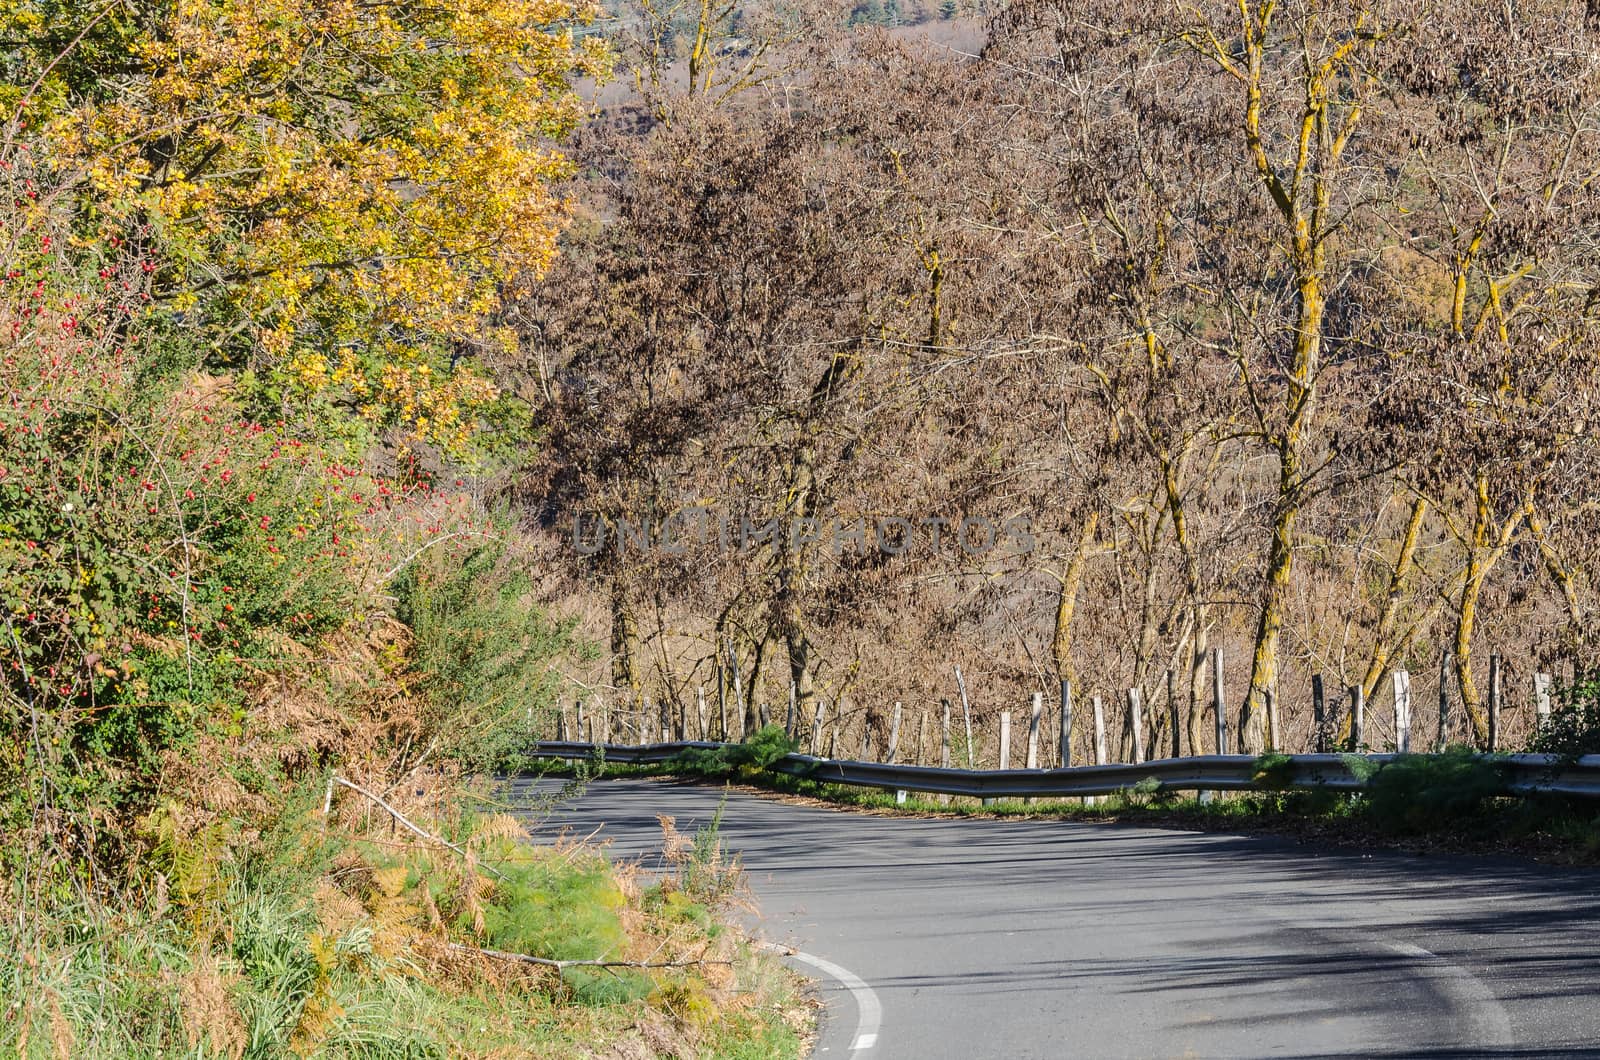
(349,937)
(214,600)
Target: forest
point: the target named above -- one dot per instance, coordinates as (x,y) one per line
(1276,322)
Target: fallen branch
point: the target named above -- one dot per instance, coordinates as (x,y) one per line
(397,815)
(546,962)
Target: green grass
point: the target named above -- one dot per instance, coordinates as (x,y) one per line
(316,942)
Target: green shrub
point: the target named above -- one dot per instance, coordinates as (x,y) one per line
(1272,771)
(482,650)
(1416,793)
(1573,729)
(760,750)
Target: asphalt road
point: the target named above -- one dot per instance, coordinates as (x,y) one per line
(1011,938)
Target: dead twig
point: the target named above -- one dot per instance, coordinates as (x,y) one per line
(546,962)
(397,815)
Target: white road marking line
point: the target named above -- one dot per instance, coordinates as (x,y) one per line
(869,1014)
(1483,1012)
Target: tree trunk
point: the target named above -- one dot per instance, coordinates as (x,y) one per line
(1483,551)
(1383,642)
(624,638)
(1067,601)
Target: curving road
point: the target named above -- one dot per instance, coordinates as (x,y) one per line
(1012,938)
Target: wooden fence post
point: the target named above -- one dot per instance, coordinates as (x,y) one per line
(700,708)
(788,725)
(1444,702)
(816,725)
(1402,711)
(1099,743)
(738,691)
(1319,716)
(922,730)
(1136,717)
(1494,702)
(1274,727)
(1358,718)
(1219,702)
(866,736)
(578,707)
(1005,746)
(1066,724)
(561,722)
(1172,712)
(944,736)
(1099,733)
(722,706)
(1033,730)
(966,714)
(894,746)
(1541,700)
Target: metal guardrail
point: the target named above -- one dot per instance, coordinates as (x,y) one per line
(1522,774)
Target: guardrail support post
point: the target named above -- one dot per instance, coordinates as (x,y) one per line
(700,708)
(816,724)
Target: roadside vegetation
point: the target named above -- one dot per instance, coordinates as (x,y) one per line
(262,617)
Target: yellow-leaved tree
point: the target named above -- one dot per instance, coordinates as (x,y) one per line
(335,192)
